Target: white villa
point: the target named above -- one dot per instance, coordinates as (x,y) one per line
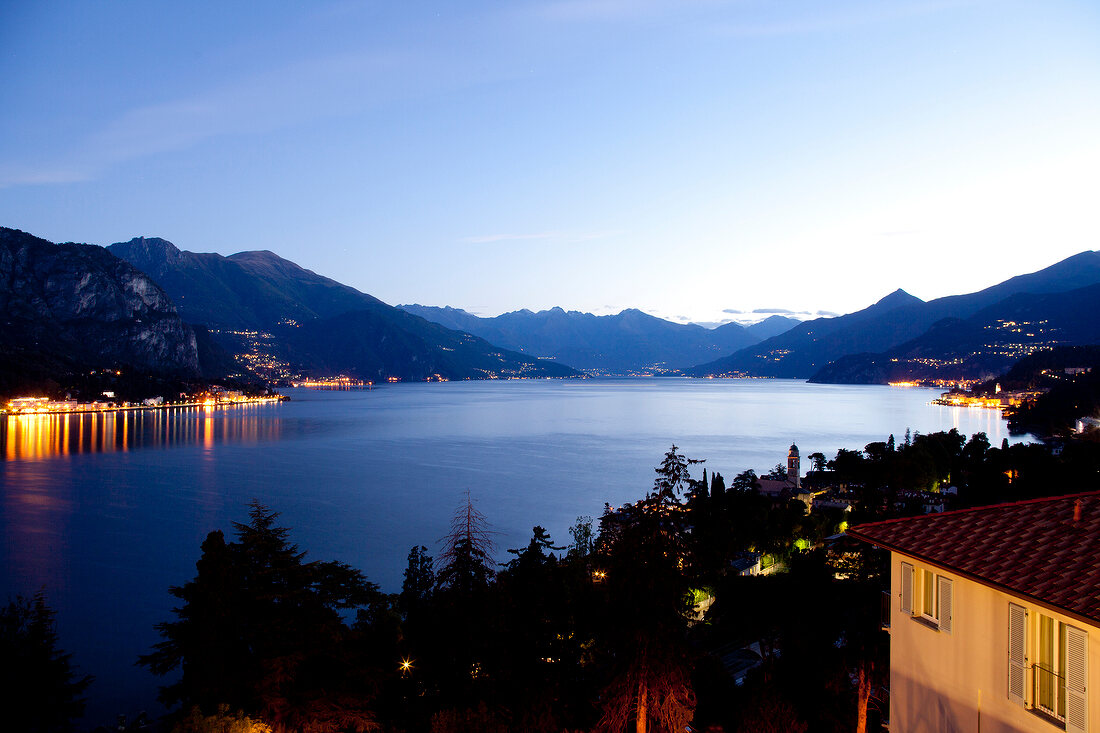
(995,617)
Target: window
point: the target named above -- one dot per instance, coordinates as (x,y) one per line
(1050,669)
(1059,667)
(907,588)
(927,596)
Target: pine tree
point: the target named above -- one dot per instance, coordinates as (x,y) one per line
(261,630)
(536,551)
(39,686)
(717,486)
(673,477)
(646,559)
(419,582)
(463,638)
(467,564)
(583,540)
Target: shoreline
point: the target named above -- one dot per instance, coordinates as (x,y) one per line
(211,404)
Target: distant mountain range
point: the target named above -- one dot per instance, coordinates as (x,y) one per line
(900,326)
(67,308)
(151,306)
(315,325)
(986,344)
(630,342)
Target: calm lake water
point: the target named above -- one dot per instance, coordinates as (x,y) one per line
(105,512)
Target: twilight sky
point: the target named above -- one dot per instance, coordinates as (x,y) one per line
(693,158)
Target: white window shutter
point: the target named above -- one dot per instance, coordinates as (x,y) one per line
(1077,668)
(907,588)
(1017,651)
(944,603)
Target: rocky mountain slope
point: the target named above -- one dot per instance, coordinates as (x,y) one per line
(69,309)
(314,324)
(71,306)
(245,290)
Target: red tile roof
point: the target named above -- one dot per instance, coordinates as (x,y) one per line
(1029,548)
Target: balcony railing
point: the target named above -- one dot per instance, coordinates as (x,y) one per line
(884,612)
(1049,691)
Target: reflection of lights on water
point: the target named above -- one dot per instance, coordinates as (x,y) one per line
(43,436)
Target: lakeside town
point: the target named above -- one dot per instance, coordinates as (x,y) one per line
(214,397)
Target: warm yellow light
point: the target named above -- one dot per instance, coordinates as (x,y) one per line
(406,665)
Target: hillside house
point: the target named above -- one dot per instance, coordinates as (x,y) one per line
(995,617)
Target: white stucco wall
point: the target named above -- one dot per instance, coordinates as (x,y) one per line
(940,683)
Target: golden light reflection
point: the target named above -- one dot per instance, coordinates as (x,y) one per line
(45,436)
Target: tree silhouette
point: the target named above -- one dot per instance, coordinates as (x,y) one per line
(462,640)
(674,476)
(419,582)
(260,630)
(466,564)
(39,688)
(745,481)
(648,598)
(584,541)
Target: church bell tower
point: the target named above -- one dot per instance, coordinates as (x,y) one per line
(793,472)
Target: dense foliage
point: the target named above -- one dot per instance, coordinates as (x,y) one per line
(40,690)
(647,624)
(261,630)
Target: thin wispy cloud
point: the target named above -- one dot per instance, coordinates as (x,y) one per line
(606,310)
(250,104)
(740,19)
(617,10)
(21,175)
(491,238)
(833,17)
(294,94)
(561,237)
(775,311)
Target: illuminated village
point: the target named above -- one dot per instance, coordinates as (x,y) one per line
(214,397)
